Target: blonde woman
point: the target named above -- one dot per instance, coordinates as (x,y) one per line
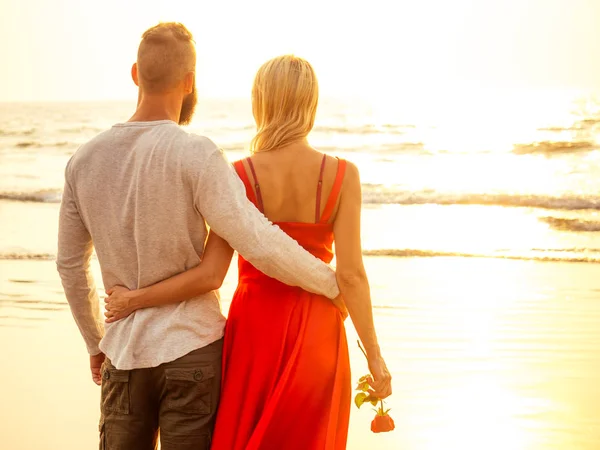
(286,374)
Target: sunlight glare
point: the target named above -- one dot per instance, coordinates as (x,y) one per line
(480,414)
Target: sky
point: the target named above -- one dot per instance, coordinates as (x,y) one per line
(66,50)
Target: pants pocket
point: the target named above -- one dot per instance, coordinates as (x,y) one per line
(190,390)
(196,442)
(115,391)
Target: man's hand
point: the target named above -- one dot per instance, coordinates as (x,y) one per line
(96,367)
(341,305)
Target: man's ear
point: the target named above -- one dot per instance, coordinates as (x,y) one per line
(134,74)
(189,82)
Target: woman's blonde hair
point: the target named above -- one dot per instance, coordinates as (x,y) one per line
(285,95)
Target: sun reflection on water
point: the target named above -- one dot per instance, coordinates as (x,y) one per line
(480,414)
(483,351)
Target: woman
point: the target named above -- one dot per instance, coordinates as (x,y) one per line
(286,373)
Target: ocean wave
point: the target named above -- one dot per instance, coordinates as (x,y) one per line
(398,147)
(394,129)
(565,224)
(556,129)
(551,147)
(364,129)
(379,150)
(542,255)
(26,132)
(81,129)
(379,195)
(27,257)
(590,122)
(584,257)
(37,144)
(565,250)
(374,194)
(45,196)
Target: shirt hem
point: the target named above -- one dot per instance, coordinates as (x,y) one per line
(149,363)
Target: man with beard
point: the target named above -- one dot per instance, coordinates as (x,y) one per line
(142,194)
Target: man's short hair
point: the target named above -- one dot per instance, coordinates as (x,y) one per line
(165,55)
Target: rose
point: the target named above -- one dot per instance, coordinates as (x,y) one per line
(382,423)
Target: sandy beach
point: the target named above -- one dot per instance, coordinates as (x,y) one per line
(484,353)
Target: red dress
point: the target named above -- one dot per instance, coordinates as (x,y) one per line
(286,370)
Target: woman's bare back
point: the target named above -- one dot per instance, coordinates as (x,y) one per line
(288,180)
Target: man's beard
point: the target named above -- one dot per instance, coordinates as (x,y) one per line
(188,107)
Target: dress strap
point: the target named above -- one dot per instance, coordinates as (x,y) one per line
(319,190)
(335,191)
(256,187)
(241,171)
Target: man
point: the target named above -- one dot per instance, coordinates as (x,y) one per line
(142,193)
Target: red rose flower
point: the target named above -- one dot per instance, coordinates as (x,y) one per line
(382,424)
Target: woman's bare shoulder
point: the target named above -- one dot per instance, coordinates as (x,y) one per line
(351,177)
(332,162)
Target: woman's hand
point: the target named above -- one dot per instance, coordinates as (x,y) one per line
(381,383)
(119,303)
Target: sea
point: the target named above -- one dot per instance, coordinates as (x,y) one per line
(481,237)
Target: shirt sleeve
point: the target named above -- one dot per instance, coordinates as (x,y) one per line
(220,197)
(73,263)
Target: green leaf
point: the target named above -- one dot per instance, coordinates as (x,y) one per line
(364,386)
(359,400)
(363,378)
(372,400)
(386,411)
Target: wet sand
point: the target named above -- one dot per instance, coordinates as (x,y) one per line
(485,354)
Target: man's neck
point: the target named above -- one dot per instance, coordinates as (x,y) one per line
(151,108)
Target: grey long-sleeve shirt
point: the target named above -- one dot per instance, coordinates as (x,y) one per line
(141,194)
